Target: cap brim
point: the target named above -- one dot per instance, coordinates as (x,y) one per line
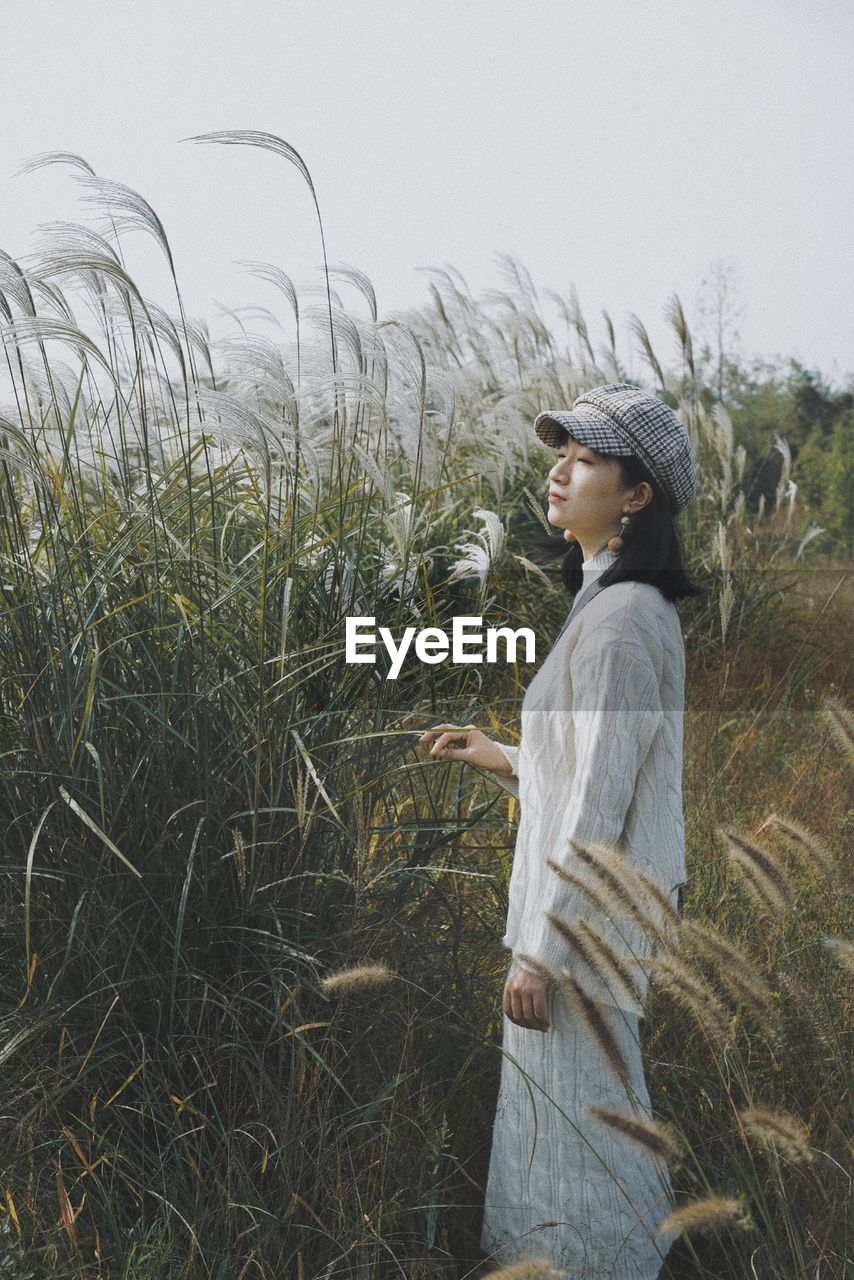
(594,429)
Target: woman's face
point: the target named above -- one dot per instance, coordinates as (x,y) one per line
(586,493)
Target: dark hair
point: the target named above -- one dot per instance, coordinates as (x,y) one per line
(652,548)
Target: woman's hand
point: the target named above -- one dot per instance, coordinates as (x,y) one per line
(464,742)
(525,1000)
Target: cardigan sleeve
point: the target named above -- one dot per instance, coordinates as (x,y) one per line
(616,712)
(511,783)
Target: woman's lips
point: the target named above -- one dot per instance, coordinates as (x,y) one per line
(555,497)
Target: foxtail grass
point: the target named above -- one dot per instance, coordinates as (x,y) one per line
(659,1139)
(712,1213)
(785,1133)
(761,870)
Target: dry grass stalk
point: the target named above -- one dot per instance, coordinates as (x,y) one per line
(707,1215)
(841,723)
(694,994)
(658,1138)
(777,1129)
(357,978)
(737,970)
(760,869)
(807,847)
(240,858)
(595,1019)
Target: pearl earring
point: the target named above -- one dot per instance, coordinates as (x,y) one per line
(616,544)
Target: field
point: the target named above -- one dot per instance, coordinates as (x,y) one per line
(251,973)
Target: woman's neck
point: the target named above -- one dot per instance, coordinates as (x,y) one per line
(601,560)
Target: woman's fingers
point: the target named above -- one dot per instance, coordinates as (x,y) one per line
(526,1007)
(541,1012)
(454,741)
(454,729)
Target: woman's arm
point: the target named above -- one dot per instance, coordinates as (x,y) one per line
(509,781)
(616,709)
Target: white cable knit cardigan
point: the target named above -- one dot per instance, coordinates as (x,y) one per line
(600,761)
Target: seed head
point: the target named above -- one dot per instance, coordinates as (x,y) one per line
(359,977)
(628,885)
(841,723)
(785,1133)
(594,1017)
(738,974)
(533,1269)
(760,869)
(806,847)
(659,1139)
(706,1215)
(692,991)
(842,950)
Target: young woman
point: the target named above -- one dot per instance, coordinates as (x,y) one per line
(599,765)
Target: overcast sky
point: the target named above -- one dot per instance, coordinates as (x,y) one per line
(616,145)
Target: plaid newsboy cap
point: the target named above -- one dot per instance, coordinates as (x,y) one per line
(621,419)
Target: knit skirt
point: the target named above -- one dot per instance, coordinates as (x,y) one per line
(562,1184)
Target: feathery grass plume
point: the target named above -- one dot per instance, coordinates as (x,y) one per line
(595,1019)
(532,1269)
(658,1138)
(737,970)
(707,1215)
(842,950)
(760,869)
(694,994)
(541,969)
(610,866)
(603,898)
(577,942)
(637,327)
(360,977)
(676,315)
(807,848)
(614,964)
(806,1008)
(841,723)
(786,1133)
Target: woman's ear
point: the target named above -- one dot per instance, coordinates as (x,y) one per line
(643,495)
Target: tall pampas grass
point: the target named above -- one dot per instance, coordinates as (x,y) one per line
(185,521)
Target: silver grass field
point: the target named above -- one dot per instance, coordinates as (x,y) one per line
(250,969)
